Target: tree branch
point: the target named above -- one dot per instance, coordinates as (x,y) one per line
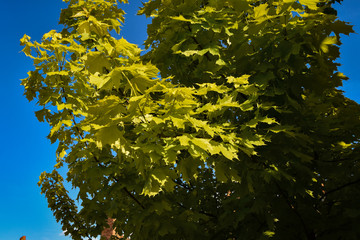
(202,212)
(339,188)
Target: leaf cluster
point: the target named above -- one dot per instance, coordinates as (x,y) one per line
(230,127)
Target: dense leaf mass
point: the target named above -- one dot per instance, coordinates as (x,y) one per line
(231,126)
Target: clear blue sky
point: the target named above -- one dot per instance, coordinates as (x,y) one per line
(25,151)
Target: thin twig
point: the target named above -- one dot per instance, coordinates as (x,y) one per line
(202,212)
(339,188)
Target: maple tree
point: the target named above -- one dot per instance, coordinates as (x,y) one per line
(231,126)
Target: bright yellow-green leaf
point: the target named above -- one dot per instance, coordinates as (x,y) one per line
(326,42)
(62,154)
(189,52)
(268,120)
(98,80)
(184,140)
(311,193)
(344,145)
(59,124)
(63,106)
(269,233)
(205,145)
(220,62)
(260,12)
(181,18)
(239,80)
(228,151)
(310,3)
(24,40)
(201,125)
(108,135)
(178,122)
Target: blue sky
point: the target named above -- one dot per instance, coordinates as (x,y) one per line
(25,151)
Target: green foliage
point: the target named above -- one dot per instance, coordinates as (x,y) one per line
(244,136)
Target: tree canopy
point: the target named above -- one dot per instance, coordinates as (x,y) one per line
(231,126)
